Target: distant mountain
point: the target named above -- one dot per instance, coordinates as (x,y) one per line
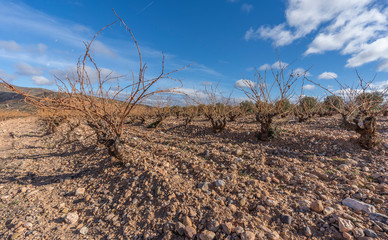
(11,100)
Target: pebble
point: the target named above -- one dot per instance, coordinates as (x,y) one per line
(232,208)
(180,228)
(84,230)
(72,218)
(328,211)
(204,186)
(347,236)
(187,221)
(227,227)
(248,235)
(370,233)
(190,231)
(80,191)
(287,219)
(220,183)
(207,235)
(358,233)
(317,206)
(307,231)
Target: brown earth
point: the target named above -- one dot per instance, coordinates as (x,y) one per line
(187,182)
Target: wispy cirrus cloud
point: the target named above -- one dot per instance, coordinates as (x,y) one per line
(23,68)
(357,28)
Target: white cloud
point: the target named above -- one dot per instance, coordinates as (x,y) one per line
(276,65)
(278,34)
(246,7)
(279,65)
(380,86)
(358,28)
(301,72)
(40,80)
(99,47)
(327,75)
(369,53)
(10,46)
(23,68)
(15,16)
(309,87)
(264,67)
(244,83)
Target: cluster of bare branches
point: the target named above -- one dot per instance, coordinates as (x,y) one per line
(103,102)
(359,107)
(217,108)
(271,98)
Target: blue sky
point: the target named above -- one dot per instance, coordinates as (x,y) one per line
(225,39)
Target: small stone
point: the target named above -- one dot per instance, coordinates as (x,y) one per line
(84,230)
(228,227)
(379,217)
(87,198)
(207,235)
(80,191)
(328,211)
(72,218)
(239,230)
(28,225)
(345,225)
(359,206)
(287,219)
(180,228)
(307,231)
(358,233)
(317,206)
(344,167)
(273,235)
(347,236)
(213,225)
(232,208)
(190,231)
(238,152)
(370,233)
(187,221)
(220,183)
(248,235)
(204,186)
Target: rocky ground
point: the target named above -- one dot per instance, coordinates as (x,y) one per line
(312,182)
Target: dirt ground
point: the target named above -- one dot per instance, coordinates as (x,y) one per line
(190,183)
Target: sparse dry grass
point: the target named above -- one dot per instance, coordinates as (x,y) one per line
(8,114)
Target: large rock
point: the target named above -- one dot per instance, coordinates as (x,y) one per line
(207,235)
(359,206)
(379,217)
(345,225)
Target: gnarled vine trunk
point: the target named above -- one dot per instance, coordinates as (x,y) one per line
(266,131)
(366,127)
